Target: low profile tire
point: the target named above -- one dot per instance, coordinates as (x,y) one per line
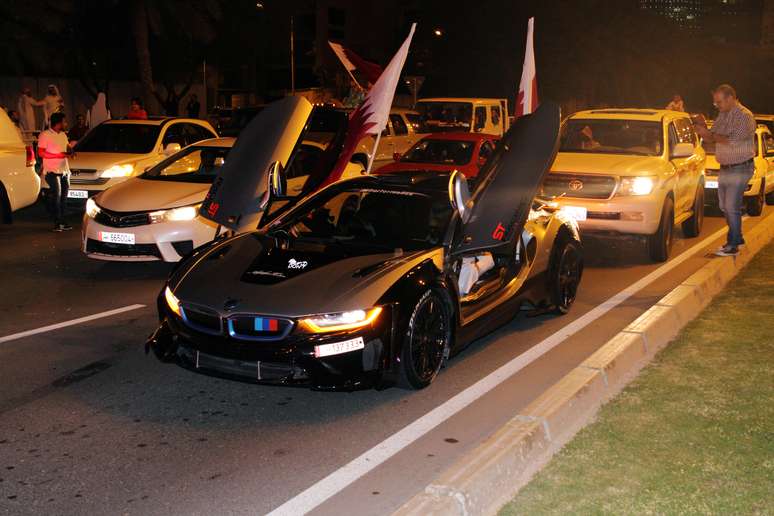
(692,226)
(755,204)
(660,242)
(427,338)
(565,274)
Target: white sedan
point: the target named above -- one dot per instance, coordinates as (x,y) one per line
(19,184)
(155,216)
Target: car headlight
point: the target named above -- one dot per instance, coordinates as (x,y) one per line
(91,208)
(118,171)
(175,214)
(172,302)
(339,321)
(636,185)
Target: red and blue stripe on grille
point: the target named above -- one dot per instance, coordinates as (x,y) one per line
(265,324)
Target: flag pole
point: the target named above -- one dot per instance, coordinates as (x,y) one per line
(373,153)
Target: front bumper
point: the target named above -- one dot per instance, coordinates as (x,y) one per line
(167,241)
(630,215)
(290,361)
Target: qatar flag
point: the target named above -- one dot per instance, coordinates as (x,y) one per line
(352,61)
(527,99)
(371,115)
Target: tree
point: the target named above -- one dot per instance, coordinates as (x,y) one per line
(186,26)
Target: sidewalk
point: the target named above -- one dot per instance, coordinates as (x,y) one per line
(694,433)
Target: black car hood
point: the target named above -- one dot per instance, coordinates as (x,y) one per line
(292,278)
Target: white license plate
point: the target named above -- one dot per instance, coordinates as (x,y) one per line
(576,212)
(326,350)
(711,184)
(78,194)
(117,238)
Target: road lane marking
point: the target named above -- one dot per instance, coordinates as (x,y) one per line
(337,481)
(72,322)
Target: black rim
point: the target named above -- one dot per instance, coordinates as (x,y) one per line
(428,336)
(569,276)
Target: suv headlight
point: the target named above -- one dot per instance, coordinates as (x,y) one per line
(637,185)
(175,214)
(118,171)
(339,321)
(91,208)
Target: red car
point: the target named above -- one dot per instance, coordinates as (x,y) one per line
(445,152)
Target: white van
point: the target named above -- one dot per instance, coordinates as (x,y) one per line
(19,184)
(463,114)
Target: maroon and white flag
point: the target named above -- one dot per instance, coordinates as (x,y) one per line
(527,99)
(352,61)
(371,115)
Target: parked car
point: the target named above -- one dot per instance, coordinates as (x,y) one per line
(19,184)
(445,152)
(116,150)
(631,172)
(463,114)
(374,280)
(760,189)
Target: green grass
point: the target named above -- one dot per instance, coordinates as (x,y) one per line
(693,434)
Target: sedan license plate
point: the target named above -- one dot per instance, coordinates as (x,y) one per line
(117,238)
(711,184)
(78,194)
(576,212)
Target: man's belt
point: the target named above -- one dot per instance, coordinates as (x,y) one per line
(749,161)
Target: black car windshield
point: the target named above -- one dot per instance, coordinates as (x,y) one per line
(447,152)
(120,138)
(191,165)
(379,217)
(610,136)
(439,116)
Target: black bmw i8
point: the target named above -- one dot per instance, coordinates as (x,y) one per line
(373,281)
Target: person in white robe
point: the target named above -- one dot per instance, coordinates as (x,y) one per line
(26,108)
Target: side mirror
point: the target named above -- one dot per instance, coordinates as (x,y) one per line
(172,148)
(683,150)
(459,195)
(219,161)
(278,185)
(396,156)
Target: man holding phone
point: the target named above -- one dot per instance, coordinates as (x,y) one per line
(734,135)
(53,148)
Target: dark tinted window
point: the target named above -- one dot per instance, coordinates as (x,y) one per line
(175,133)
(195,133)
(121,138)
(398,125)
(381,218)
(446,152)
(612,137)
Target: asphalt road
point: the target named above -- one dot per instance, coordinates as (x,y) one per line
(90,425)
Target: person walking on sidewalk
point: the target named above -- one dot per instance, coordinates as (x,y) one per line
(734,135)
(53,148)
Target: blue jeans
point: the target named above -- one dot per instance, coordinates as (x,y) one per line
(58,186)
(732,182)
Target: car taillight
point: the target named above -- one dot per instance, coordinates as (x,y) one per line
(30,156)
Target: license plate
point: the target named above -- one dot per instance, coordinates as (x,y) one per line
(711,184)
(117,238)
(576,212)
(326,350)
(78,194)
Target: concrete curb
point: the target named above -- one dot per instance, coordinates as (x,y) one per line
(487,477)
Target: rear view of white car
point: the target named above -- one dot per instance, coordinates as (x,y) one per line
(19,184)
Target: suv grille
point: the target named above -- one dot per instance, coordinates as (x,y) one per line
(579,186)
(116,219)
